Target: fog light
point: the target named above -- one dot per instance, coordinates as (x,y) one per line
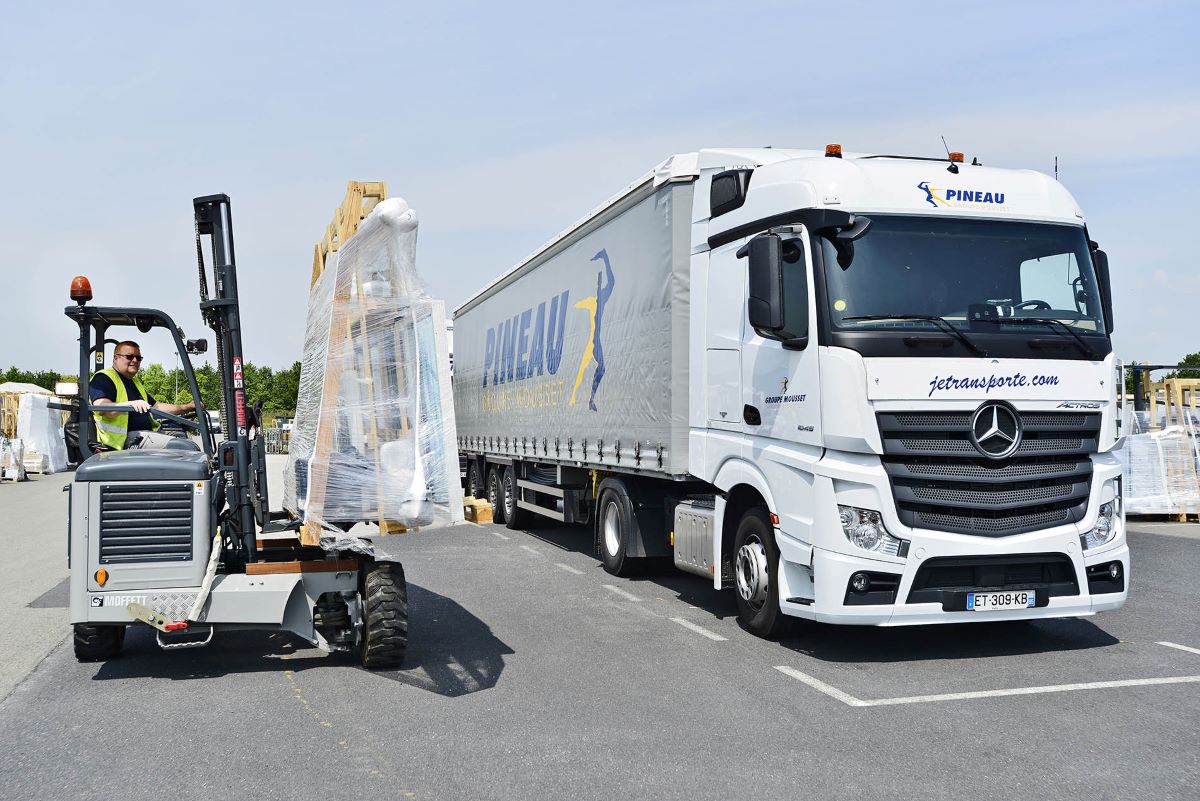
(860,583)
(1114,570)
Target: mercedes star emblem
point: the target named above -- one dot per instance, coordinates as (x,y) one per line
(996,430)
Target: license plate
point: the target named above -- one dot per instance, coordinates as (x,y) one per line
(996,601)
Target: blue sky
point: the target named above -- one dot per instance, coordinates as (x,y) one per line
(503,123)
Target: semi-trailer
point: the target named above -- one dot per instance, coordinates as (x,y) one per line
(856,388)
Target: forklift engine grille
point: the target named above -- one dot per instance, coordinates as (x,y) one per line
(145,523)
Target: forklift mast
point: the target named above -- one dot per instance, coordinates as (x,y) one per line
(240,451)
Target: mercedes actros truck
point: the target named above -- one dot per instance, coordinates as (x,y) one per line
(854,388)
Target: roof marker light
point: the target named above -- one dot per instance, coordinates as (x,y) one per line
(833,151)
(956,157)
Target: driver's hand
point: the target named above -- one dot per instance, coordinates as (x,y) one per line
(139,406)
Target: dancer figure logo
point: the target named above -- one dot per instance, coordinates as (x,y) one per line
(593,351)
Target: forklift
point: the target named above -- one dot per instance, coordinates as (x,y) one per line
(182,539)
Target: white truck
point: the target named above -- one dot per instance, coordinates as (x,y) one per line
(859,389)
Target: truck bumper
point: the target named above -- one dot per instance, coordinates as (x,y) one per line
(831,572)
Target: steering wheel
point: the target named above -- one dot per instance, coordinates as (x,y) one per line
(1033,304)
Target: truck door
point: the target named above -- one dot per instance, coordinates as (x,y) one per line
(780,384)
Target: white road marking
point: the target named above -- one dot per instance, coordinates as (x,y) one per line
(850,700)
(626,595)
(502,536)
(568,568)
(531,549)
(1180,647)
(687,624)
(817,684)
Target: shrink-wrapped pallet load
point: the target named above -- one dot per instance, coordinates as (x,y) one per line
(374,438)
(40,428)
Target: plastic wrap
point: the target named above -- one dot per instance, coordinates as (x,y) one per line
(374,436)
(12,459)
(1161,467)
(40,428)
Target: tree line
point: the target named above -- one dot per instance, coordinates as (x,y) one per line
(277,389)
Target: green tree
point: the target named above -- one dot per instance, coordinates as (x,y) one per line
(1191,358)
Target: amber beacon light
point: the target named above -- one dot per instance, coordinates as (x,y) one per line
(81,289)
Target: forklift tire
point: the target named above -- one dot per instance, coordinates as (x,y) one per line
(98,643)
(385,617)
(495,493)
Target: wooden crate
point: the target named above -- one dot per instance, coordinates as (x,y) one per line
(9,404)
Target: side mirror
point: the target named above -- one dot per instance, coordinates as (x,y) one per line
(1100,258)
(728,191)
(197,346)
(765,304)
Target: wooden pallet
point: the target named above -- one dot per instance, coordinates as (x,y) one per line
(477,510)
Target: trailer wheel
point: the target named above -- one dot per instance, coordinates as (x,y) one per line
(385,616)
(514,516)
(98,643)
(614,515)
(756,571)
(474,481)
(495,494)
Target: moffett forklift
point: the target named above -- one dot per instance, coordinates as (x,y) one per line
(181,539)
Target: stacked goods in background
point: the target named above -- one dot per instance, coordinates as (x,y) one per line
(40,429)
(1161,453)
(12,459)
(374,435)
(10,404)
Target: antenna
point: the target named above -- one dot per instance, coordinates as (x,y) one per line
(953,167)
(1056,168)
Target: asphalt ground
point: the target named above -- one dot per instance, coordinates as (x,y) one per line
(532,673)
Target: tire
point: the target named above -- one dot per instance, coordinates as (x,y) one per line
(756,572)
(495,494)
(514,516)
(98,643)
(474,486)
(385,617)
(614,519)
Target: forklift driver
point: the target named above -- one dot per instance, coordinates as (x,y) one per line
(120,385)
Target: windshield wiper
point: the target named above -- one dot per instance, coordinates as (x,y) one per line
(941,322)
(1050,321)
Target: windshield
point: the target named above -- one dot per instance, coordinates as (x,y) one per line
(957,269)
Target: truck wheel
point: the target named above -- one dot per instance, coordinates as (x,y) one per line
(385,616)
(474,482)
(495,494)
(514,516)
(756,571)
(614,517)
(98,643)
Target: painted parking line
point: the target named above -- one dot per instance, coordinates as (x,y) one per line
(1180,647)
(568,568)
(687,624)
(628,596)
(502,536)
(850,700)
(531,549)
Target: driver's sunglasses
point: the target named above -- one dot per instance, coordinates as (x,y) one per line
(131,357)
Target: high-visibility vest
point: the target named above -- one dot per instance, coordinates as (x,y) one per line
(111,430)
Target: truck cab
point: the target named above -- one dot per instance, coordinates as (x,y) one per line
(908,362)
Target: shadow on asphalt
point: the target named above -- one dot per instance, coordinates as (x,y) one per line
(451,652)
(859,643)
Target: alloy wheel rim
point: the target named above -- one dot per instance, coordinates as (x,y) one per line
(751,572)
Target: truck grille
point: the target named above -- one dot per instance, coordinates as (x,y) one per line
(941,482)
(145,523)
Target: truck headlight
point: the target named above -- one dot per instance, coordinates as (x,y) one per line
(864,528)
(1105,528)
